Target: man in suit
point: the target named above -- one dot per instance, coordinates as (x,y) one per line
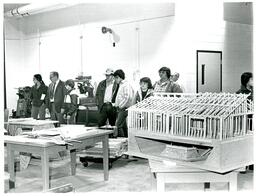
(55,97)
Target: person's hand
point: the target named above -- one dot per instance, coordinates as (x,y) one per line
(68,117)
(64,116)
(47,110)
(115,133)
(117,109)
(62,111)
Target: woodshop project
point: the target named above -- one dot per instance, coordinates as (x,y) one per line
(168,122)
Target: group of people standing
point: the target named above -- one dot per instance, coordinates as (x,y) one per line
(59,99)
(114,95)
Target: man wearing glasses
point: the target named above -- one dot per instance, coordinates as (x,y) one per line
(55,97)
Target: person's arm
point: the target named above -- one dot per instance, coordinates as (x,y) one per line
(63,92)
(125,94)
(45,93)
(47,98)
(98,94)
(136,98)
(31,93)
(73,104)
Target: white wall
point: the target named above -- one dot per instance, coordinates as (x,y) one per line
(14,58)
(145,46)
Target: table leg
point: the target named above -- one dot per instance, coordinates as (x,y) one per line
(73,161)
(233,181)
(153,181)
(10,159)
(105,149)
(160,182)
(45,170)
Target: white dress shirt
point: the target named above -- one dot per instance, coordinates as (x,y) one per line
(108,92)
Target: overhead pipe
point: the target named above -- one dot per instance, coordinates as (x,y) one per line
(35,8)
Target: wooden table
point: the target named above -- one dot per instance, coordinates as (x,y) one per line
(44,148)
(29,123)
(162,173)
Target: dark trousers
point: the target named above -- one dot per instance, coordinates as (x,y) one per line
(121,125)
(107,111)
(38,110)
(56,115)
(71,120)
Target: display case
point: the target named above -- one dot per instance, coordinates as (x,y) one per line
(212,131)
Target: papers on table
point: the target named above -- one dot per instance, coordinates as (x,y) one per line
(44,133)
(61,135)
(19,119)
(33,141)
(66,132)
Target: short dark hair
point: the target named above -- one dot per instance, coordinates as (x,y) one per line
(245,77)
(55,73)
(167,70)
(148,81)
(70,83)
(119,73)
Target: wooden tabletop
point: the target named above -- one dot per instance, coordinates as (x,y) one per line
(68,132)
(32,122)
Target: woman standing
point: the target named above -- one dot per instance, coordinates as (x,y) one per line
(146,90)
(38,94)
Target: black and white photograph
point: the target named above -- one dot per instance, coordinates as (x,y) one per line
(127,96)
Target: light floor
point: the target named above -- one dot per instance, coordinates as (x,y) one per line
(125,175)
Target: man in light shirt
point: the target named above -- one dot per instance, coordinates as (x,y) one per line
(122,99)
(104,94)
(55,97)
(165,84)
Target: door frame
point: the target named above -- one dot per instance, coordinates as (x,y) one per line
(208,51)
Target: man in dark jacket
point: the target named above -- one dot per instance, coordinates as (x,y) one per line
(55,97)
(104,94)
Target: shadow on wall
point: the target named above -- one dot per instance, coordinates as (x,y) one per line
(237,54)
